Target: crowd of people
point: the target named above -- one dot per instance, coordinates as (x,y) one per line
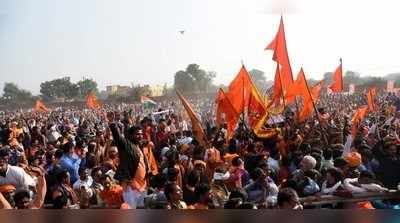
(131,157)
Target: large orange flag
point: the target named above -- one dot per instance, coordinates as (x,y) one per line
(357,118)
(40,106)
(337,85)
(239,90)
(256,108)
(370,99)
(224,105)
(92,102)
(278,91)
(307,110)
(316,90)
(297,88)
(308,102)
(281,56)
(198,131)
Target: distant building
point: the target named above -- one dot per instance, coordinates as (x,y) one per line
(118,90)
(156,90)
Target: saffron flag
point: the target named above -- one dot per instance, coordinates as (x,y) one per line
(239,90)
(278,91)
(92,102)
(224,106)
(198,131)
(370,99)
(337,85)
(297,88)
(316,90)
(307,110)
(281,56)
(357,118)
(40,106)
(256,109)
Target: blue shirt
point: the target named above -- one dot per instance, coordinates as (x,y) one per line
(71,164)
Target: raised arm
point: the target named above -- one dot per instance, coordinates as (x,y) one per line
(41,188)
(4,204)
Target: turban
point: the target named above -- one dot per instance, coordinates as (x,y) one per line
(354,159)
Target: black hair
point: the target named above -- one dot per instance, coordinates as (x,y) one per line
(286,195)
(67,147)
(340,162)
(336,173)
(247,205)
(172,174)
(367,174)
(158,181)
(256,173)
(238,193)
(61,176)
(232,203)
(327,154)
(169,190)
(60,202)
(4,152)
(132,130)
(193,178)
(201,190)
(19,195)
(236,161)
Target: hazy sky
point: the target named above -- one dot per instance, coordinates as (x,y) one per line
(137,41)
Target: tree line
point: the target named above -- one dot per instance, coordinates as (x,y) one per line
(191,80)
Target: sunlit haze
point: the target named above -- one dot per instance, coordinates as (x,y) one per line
(132,41)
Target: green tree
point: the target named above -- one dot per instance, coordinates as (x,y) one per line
(14,95)
(85,86)
(194,79)
(183,82)
(259,79)
(61,88)
(140,90)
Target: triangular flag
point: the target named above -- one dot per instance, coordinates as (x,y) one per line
(278,91)
(371,99)
(92,102)
(224,106)
(40,106)
(239,90)
(316,90)
(296,88)
(281,56)
(357,118)
(337,85)
(256,109)
(198,131)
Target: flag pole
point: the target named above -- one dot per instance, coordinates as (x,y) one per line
(316,112)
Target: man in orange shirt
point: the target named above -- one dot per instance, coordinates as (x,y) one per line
(133,165)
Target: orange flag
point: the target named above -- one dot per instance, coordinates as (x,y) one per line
(278,91)
(303,90)
(316,90)
(297,88)
(92,102)
(357,118)
(198,131)
(370,99)
(239,90)
(256,109)
(281,56)
(224,105)
(307,110)
(40,106)
(337,85)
